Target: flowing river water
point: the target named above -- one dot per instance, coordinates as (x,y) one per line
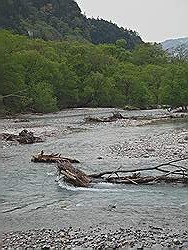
(30,198)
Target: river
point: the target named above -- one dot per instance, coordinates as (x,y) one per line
(31,198)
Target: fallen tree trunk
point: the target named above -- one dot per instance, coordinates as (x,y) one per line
(73,175)
(51,158)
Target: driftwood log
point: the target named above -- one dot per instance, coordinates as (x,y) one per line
(51,158)
(24,137)
(72,175)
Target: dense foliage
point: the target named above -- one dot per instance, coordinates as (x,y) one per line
(60,19)
(44,76)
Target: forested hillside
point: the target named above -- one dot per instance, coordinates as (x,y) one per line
(45,76)
(50,20)
(102,31)
(60,19)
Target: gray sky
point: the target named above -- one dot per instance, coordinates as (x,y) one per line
(154,20)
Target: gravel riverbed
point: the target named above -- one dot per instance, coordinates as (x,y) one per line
(97,238)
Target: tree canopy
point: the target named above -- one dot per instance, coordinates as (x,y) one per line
(45,76)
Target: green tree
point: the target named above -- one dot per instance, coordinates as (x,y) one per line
(42,97)
(126,76)
(174,91)
(66,84)
(121,43)
(153,76)
(96,90)
(149,54)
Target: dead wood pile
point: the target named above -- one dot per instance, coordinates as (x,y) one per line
(51,158)
(114,117)
(170,172)
(118,116)
(24,137)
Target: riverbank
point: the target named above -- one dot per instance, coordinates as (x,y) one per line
(164,113)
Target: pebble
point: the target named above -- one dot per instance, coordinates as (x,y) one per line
(176,241)
(186,138)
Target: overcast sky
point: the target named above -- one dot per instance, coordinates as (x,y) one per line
(154,20)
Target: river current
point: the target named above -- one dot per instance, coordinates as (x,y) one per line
(31,197)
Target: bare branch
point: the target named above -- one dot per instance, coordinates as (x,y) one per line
(99,175)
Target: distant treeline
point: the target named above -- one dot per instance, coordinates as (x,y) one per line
(45,76)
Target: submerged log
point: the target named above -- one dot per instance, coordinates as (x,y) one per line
(24,137)
(73,175)
(51,158)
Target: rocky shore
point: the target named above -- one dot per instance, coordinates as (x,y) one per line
(97,238)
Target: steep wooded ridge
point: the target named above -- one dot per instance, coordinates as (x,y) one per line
(60,19)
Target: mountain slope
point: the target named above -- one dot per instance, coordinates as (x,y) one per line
(177,47)
(49,20)
(60,19)
(171,43)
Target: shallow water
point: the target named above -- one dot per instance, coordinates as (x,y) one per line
(31,198)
